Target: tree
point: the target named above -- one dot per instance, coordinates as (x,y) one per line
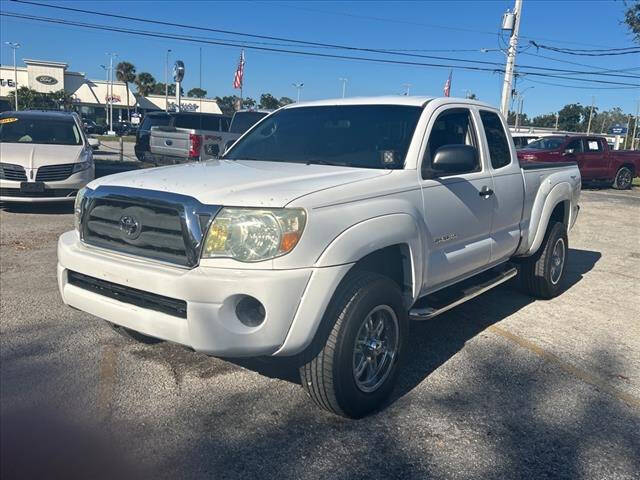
(572,117)
(158,89)
(227,104)
(523,120)
(269,102)
(248,102)
(145,83)
(632,19)
(126,72)
(284,101)
(548,120)
(197,93)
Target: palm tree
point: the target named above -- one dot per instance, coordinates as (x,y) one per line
(144,83)
(126,72)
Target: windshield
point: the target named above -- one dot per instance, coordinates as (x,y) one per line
(40,130)
(546,144)
(243,121)
(366,136)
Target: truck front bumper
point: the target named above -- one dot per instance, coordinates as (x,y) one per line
(294,300)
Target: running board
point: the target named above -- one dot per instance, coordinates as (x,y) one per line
(433,305)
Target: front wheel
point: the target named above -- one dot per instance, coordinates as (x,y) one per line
(352,370)
(542,273)
(623,179)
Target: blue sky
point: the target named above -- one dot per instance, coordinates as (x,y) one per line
(452,25)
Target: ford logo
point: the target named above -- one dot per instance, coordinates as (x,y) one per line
(130,227)
(46,80)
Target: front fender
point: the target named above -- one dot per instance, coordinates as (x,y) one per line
(374,234)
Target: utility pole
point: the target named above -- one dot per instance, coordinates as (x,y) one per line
(593,100)
(635,126)
(407,86)
(344,85)
(110,94)
(166,82)
(626,135)
(14,46)
(557,118)
(513,24)
(298,86)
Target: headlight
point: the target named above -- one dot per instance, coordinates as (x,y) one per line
(85,163)
(253,235)
(79,208)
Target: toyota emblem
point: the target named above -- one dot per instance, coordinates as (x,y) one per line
(130,227)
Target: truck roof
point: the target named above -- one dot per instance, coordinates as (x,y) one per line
(417,101)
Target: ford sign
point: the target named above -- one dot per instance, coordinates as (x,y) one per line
(46,80)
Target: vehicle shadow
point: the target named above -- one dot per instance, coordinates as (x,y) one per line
(433,342)
(59,208)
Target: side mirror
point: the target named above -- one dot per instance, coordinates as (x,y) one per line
(94,143)
(452,159)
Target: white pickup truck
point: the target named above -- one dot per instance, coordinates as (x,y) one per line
(319,235)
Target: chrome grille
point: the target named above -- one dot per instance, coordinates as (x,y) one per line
(9,171)
(146,223)
(54,173)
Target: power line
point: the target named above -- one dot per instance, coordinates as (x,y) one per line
(296,52)
(590,53)
(580,64)
(308,43)
(577,86)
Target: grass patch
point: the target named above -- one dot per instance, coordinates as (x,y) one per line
(636,182)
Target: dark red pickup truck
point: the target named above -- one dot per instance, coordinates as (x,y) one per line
(596,161)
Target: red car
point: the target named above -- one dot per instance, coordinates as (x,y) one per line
(596,161)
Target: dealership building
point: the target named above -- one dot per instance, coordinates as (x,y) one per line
(90,97)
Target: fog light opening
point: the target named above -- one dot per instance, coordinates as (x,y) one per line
(250,311)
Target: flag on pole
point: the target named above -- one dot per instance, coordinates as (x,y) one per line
(239,76)
(447,85)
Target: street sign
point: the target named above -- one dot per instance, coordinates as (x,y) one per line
(618,130)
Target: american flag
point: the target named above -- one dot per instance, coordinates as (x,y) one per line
(447,85)
(238,78)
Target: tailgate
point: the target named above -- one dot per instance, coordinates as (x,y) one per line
(168,141)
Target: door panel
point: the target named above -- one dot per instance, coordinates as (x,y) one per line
(458,222)
(593,164)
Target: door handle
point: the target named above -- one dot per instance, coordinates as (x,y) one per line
(485,192)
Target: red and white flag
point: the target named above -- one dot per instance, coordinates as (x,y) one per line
(239,77)
(447,85)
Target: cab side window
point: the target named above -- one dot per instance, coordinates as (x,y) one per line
(496,139)
(592,145)
(575,146)
(452,127)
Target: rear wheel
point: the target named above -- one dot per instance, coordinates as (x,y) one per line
(623,179)
(352,370)
(542,273)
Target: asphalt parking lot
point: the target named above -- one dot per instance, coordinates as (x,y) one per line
(500,387)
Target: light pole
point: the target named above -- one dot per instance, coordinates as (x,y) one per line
(14,46)
(106,72)
(166,82)
(406,86)
(521,104)
(298,86)
(344,85)
(111,57)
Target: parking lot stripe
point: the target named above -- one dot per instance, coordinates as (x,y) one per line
(107,380)
(575,371)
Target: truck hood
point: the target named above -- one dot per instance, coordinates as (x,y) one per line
(31,155)
(243,183)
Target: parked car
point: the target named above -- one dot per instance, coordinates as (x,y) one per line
(319,234)
(124,128)
(92,128)
(595,159)
(197,142)
(203,121)
(243,120)
(44,156)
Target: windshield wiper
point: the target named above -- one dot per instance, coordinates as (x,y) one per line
(325,162)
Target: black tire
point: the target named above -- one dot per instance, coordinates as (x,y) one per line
(538,273)
(624,178)
(133,335)
(327,372)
